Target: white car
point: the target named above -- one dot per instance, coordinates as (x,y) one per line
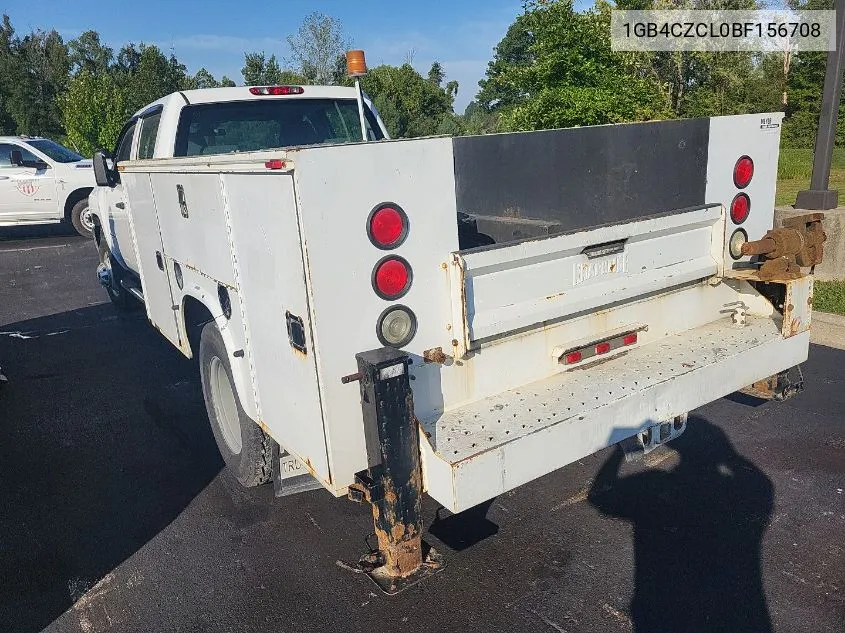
(42,182)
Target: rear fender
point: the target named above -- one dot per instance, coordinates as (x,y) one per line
(204,290)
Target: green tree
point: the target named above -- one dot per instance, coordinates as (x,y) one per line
(316,48)
(573,77)
(7,73)
(87,53)
(202,79)
(410,104)
(35,73)
(94,110)
(259,70)
(514,53)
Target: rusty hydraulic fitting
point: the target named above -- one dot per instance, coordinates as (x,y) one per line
(799,243)
(776,243)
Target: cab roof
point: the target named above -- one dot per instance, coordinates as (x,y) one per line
(242,93)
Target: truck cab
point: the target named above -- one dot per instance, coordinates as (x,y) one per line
(216,121)
(42,181)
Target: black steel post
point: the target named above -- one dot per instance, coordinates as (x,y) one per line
(395,486)
(819,196)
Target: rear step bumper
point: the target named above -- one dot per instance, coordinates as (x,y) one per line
(488,447)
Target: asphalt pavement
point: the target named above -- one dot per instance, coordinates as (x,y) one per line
(117,516)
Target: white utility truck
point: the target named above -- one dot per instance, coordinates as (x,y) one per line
(43,182)
(506,304)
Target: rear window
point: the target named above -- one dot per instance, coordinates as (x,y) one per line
(248,126)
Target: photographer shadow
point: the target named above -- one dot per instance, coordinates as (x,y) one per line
(697,535)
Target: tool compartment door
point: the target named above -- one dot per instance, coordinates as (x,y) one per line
(506,288)
(149,253)
(267,258)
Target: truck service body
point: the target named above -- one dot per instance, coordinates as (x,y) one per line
(43,182)
(556,292)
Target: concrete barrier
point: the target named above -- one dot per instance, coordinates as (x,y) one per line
(832,267)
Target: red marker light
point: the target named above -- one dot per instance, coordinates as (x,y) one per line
(740,208)
(392,277)
(743,172)
(603,348)
(277,90)
(573,357)
(275,163)
(387,226)
(630,339)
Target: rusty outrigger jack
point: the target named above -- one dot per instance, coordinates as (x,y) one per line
(393,486)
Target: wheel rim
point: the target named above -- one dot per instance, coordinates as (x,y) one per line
(86,219)
(225,405)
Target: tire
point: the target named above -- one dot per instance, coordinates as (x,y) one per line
(117,293)
(244,446)
(81,219)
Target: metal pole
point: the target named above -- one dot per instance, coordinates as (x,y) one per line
(394,485)
(360,96)
(820,196)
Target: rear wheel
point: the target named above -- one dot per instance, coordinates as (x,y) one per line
(82,219)
(245,447)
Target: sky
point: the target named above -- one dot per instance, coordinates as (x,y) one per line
(213,34)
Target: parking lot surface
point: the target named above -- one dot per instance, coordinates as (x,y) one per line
(117,515)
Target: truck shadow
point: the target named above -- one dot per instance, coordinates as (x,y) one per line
(104,441)
(697,535)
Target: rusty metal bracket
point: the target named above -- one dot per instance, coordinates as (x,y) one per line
(780,386)
(799,243)
(394,485)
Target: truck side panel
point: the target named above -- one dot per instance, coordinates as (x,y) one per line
(731,137)
(337,188)
(155,277)
(193,226)
(267,268)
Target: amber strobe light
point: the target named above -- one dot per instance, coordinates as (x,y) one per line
(356,65)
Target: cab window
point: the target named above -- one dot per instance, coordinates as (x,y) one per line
(124,145)
(6,158)
(147,137)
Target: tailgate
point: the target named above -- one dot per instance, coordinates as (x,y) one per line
(508,288)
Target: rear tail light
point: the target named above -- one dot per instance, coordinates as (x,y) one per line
(275,163)
(392,277)
(277,90)
(396,326)
(387,226)
(598,348)
(740,208)
(743,172)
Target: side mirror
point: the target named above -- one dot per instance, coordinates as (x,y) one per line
(16,158)
(103,174)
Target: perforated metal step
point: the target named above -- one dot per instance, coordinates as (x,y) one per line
(486,447)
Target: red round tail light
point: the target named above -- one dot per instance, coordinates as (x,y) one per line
(740,208)
(387,226)
(743,171)
(392,277)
